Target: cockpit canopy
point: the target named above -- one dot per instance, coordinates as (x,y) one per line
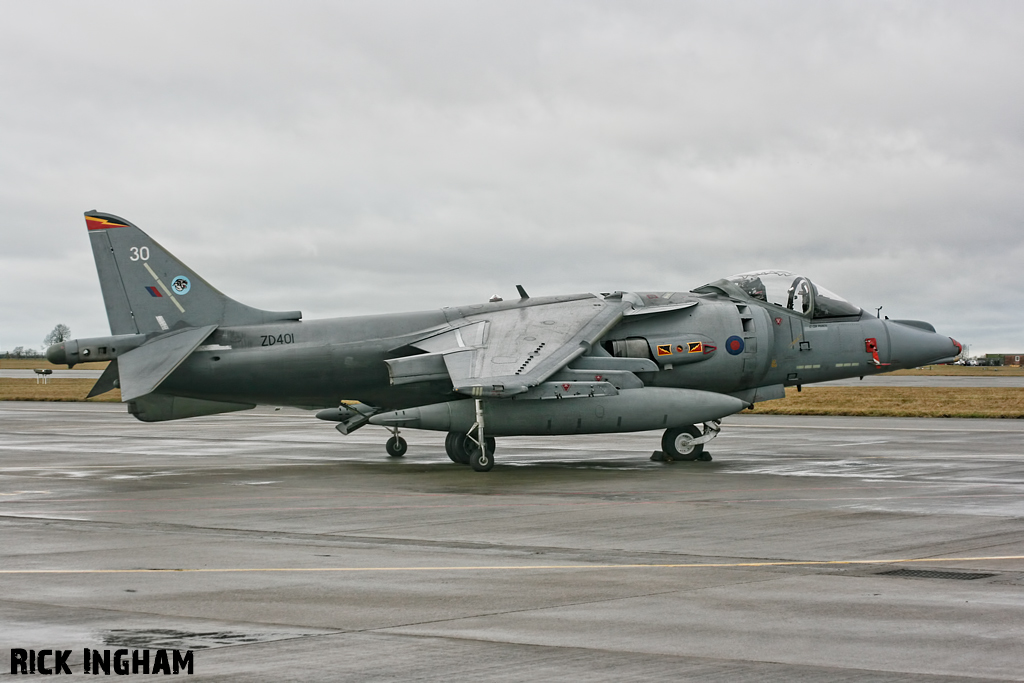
(786,290)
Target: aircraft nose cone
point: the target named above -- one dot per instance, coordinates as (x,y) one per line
(914,346)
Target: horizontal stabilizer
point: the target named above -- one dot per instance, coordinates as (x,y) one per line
(143,369)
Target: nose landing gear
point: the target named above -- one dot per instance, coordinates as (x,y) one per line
(687,443)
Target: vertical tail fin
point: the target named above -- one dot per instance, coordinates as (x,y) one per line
(146,289)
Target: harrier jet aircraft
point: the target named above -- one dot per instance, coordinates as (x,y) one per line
(572,364)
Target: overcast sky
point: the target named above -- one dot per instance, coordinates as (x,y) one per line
(353,157)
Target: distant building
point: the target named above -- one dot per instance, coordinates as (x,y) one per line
(1005,358)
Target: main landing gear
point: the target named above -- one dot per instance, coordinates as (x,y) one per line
(464,449)
(461,447)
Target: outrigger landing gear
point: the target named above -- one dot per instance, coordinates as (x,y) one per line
(396,445)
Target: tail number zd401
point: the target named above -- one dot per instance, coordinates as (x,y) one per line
(271,340)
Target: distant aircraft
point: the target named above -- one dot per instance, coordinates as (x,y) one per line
(573,364)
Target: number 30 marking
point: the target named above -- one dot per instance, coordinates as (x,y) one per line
(139,253)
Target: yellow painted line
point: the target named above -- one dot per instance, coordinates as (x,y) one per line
(163,287)
(499,567)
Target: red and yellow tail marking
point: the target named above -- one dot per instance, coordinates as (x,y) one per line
(95,223)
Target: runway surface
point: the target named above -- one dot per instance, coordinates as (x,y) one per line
(279,550)
(69,374)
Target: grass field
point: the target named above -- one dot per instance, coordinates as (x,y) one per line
(964,371)
(42,364)
(57,389)
(899,402)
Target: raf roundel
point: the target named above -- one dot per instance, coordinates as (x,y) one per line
(734,345)
(181,285)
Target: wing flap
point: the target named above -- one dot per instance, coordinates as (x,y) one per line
(420,368)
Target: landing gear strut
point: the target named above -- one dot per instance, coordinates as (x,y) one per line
(396,445)
(481,458)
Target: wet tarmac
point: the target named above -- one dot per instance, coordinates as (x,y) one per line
(279,550)
(68,374)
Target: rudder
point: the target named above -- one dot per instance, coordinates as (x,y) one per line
(147,290)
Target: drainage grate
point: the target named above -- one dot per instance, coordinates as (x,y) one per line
(928,574)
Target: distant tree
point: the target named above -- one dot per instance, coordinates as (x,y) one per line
(60,332)
(18,352)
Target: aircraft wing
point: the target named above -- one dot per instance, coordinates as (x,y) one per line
(506,352)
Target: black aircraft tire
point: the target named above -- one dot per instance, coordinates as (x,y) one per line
(449,447)
(482,460)
(675,442)
(455,446)
(396,447)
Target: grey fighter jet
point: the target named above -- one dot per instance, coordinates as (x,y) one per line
(572,364)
